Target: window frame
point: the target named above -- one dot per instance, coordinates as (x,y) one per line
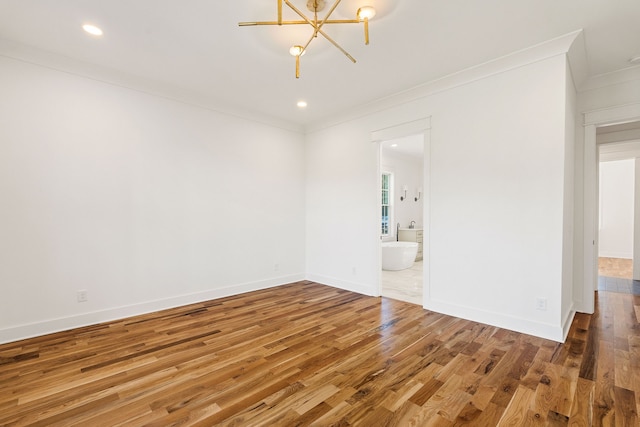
(388,206)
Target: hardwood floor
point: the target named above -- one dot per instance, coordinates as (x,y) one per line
(307,354)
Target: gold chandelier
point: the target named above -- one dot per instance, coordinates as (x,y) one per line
(362,15)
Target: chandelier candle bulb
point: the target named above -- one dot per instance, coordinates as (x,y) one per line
(297,50)
(365,13)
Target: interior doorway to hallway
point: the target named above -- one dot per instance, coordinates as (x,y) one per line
(618,198)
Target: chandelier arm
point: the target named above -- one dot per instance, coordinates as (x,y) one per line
(324,21)
(302,15)
(315,21)
(366,31)
(330,12)
(279,12)
(315,25)
(319,30)
(330,21)
(333,42)
(318,27)
(313,36)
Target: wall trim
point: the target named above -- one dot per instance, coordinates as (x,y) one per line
(612,78)
(613,115)
(592,119)
(530,55)
(566,325)
(37,57)
(623,255)
(16,333)
(512,323)
(401,130)
(342,284)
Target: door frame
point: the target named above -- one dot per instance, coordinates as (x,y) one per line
(592,120)
(415,127)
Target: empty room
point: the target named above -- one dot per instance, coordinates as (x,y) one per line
(323,212)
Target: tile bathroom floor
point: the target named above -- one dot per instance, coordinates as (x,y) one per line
(404,285)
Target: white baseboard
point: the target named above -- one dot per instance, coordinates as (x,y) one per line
(343,284)
(556,333)
(49,326)
(568,320)
(623,255)
(517,324)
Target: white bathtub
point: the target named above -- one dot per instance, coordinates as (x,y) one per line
(398,255)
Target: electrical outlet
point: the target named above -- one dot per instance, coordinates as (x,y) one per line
(82,295)
(541,304)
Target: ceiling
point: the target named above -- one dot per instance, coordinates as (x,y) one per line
(197,47)
(412,145)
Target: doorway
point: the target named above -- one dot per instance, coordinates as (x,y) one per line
(616,206)
(402,177)
(587,283)
(420,131)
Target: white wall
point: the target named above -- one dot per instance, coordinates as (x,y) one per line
(144,202)
(150,203)
(342,230)
(498,147)
(616,208)
(407,170)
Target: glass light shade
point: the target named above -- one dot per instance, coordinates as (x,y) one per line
(92,29)
(297,50)
(367,12)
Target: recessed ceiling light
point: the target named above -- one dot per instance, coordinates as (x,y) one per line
(302,104)
(92,29)
(634,60)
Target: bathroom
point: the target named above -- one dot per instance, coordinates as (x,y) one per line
(402,170)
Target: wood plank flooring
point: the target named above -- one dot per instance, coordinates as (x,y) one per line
(307,354)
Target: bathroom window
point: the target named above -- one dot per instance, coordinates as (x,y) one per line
(387,197)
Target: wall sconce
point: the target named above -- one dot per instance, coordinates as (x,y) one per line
(404,188)
(419,194)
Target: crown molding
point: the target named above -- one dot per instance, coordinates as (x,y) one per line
(557,46)
(38,57)
(624,75)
